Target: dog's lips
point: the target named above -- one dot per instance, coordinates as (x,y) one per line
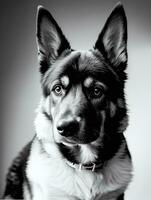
(74,142)
(69,142)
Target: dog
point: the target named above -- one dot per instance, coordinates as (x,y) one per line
(79,151)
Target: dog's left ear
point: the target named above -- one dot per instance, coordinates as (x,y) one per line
(112,41)
(50,39)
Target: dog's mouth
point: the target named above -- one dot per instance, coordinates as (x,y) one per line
(69,142)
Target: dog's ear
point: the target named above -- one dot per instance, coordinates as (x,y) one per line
(50,39)
(112,41)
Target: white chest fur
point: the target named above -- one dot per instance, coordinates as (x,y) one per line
(52,178)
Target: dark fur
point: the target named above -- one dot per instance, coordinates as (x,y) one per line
(106,64)
(16,175)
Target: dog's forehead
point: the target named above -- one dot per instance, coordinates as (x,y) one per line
(87,65)
(78,63)
(93,62)
(89,59)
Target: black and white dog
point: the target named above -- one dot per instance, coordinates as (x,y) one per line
(79,151)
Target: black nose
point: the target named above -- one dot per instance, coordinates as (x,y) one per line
(68,127)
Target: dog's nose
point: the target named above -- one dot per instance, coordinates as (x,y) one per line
(68,127)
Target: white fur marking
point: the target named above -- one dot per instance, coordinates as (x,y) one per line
(65,81)
(88,81)
(87,154)
(43,128)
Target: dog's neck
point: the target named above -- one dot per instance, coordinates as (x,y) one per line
(91,166)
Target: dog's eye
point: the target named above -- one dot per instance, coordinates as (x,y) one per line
(97,92)
(58,90)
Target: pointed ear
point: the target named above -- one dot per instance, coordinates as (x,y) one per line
(112,41)
(50,39)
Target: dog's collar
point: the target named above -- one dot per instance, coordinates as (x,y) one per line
(92,166)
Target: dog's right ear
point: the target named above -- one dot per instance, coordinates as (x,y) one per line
(50,39)
(112,41)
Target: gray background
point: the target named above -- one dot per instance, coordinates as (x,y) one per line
(81,22)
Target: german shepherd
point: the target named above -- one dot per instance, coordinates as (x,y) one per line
(79,151)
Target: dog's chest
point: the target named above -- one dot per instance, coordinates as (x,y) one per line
(53,178)
(56,179)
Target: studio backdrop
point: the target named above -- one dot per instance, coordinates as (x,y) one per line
(81,21)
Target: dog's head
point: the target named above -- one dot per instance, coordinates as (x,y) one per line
(83,91)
